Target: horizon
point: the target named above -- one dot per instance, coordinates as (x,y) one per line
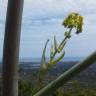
(38,59)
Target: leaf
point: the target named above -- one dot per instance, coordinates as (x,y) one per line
(52,52)
(43,62)
(55,43)
(58,59)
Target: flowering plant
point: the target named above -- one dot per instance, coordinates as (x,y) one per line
(74,20)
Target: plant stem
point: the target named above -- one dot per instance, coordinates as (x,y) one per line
(64,40)
(42,72)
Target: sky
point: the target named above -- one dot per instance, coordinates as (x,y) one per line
(55,11)
(54,8)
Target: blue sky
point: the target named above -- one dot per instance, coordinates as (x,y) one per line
(55,8)
(53,12)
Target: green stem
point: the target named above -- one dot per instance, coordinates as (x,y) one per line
(64,40)
(43,73)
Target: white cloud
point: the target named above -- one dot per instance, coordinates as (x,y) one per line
(37,9)
(53,8)
(49,7)
(58,7)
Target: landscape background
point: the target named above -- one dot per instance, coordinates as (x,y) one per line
(42,19)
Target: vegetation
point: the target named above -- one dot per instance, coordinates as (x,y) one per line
(73,21)
(26,88)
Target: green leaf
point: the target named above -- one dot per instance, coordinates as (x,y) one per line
(55,43)
(43,62)
(52,52)
(58,59)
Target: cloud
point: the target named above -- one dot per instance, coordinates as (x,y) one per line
(54,8)
(57,8)
(48,8)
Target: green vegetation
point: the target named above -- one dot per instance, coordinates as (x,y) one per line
(26,89)
(73,21)
(74,89)
(77,90)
